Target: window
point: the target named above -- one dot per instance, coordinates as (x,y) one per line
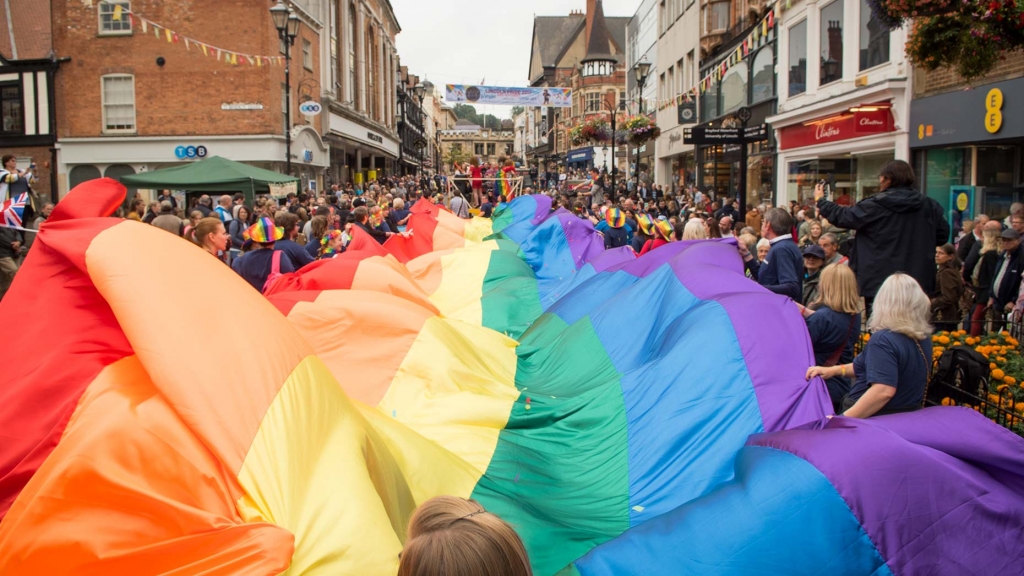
(118,103)
(662,88)
(734,88)
(874,39)
(371,66)
(490,149)
(709,103)
(681,77)
(763,81)
(798,59)
(716,17)
(10,106)
(995,166)
(335,46)
(307,54)
(350,92)
(671,83)
(622,95)
(114,19)
(593,102)
(478,149)
(831,42)
(690,79)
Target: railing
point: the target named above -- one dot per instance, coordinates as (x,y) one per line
(998,396)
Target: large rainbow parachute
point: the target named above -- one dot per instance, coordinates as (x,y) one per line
(625,415)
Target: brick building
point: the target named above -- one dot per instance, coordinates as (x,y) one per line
(559,47)
(154,83)
(27,68)
(148,80)
(975,155)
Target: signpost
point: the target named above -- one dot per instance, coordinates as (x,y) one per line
(721,136)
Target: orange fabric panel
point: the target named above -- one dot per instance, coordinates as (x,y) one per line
(389,276)
(165,301)
(375,327)
(427,270)
(137,493)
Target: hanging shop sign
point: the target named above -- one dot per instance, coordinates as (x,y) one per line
(687,112)
(546,96)
(703,135)
(845,126)
(310,108)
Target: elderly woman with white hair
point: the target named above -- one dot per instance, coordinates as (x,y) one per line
(891,373)
(695,230)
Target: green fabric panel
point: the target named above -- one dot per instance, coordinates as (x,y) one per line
(559,473)
(510,299)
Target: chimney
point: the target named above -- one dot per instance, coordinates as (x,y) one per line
(591,5)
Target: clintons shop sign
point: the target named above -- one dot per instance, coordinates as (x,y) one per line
(844,127)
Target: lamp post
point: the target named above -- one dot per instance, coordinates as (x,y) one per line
(287,24)
(641,70)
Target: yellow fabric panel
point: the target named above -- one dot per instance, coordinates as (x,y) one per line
(173,299)
(462,278)
(477,229)
(456,387)
(343,485)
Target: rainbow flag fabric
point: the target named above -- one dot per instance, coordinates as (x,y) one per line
(626,415)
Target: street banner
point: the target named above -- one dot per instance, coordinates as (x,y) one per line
(555,97)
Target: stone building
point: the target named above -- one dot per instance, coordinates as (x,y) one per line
(466,139)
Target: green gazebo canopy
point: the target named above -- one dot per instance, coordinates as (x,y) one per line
(214,174)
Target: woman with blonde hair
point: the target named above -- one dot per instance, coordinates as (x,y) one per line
(695,230)
(451,536)
(210,235)
(833,322)
(983,273)
(891,373)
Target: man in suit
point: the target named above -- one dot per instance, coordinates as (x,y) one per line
(782,270)
(1006,284)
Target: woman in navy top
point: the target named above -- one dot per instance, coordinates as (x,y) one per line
(833,322)
(891,373)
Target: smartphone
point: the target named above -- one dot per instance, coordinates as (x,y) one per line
(827,187)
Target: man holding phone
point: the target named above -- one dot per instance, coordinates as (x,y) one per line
(13,181)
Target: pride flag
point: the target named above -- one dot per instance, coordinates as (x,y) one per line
(625,415)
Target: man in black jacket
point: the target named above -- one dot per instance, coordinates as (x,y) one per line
(1006,283)
(362,216)
(898,230)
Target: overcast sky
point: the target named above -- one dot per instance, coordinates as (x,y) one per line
(466,41)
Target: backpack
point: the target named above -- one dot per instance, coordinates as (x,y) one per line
(962,372)
(275,270)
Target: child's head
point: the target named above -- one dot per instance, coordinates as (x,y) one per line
(457,537)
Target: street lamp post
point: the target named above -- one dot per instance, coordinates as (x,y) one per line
(287,24)
(641,70)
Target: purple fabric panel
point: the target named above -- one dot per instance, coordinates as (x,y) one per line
(938,490)
(772,335)
(584,242)
(614,258)
(543,207)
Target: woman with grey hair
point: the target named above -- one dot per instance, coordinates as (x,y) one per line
(891,373)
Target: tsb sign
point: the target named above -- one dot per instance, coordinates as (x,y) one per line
(310,108)
(183,152)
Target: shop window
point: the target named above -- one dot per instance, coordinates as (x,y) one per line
(114,18)
(734,88)
(940,169)
(118,103)
(831,42)
(798,59)
(763,80)
(874,38)
(10,109)
(995,166)
(867,168)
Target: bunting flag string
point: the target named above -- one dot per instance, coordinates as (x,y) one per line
(161,32)
(758,36)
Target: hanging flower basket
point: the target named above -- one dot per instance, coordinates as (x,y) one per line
(640,129)
(595,131)
(893,13)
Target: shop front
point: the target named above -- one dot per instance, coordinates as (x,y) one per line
(720,168)
(978,149)
(580,159)
(360,153)
(83,159)
(845,146)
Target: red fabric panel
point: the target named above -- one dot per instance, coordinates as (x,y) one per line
(60,333)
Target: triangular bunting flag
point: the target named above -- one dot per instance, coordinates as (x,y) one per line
(203,46)
(118,10)
(145,26)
